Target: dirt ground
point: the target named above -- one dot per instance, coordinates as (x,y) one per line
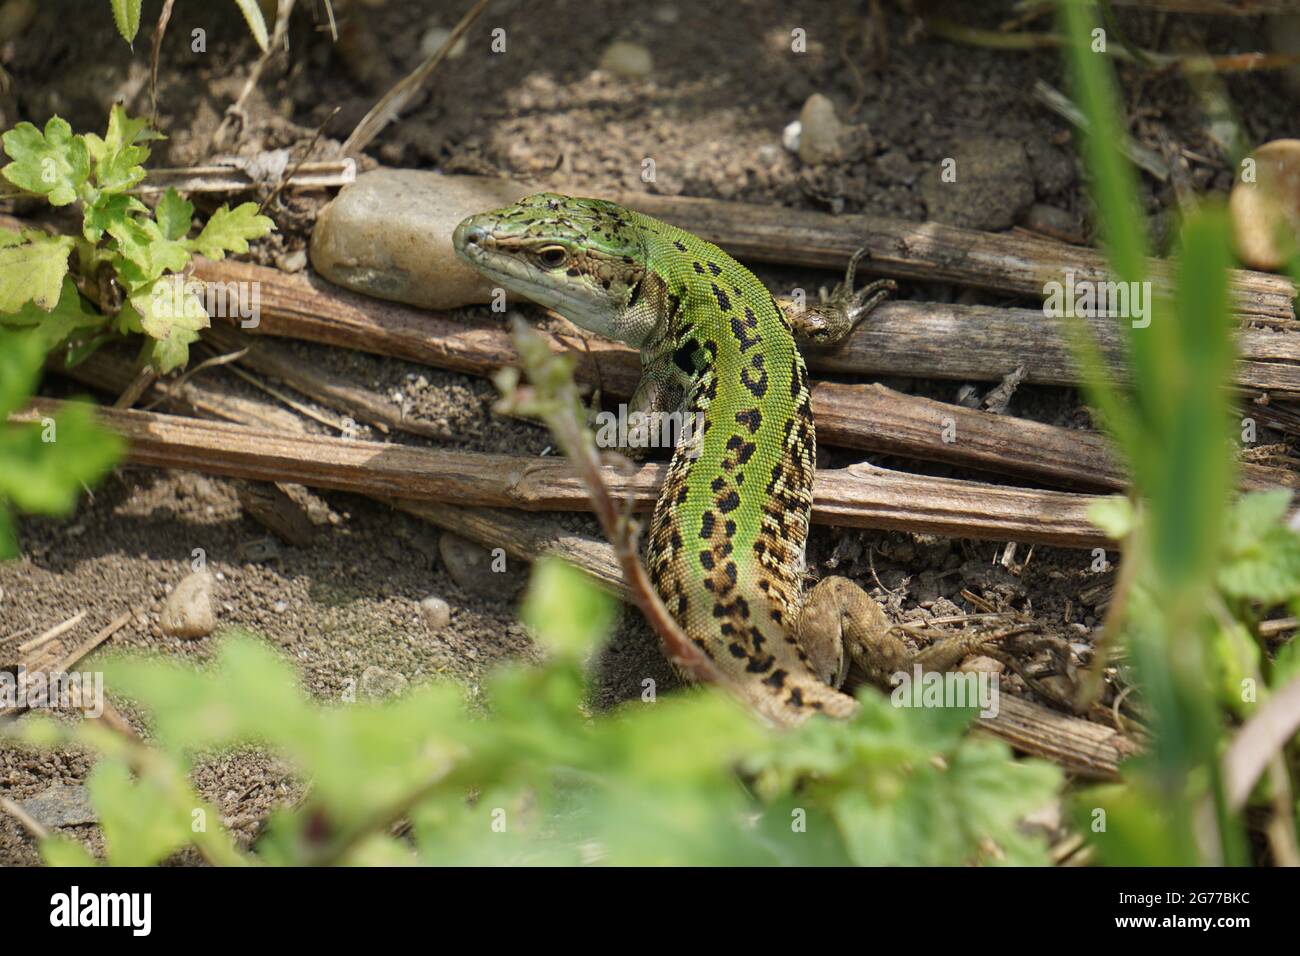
(723,85)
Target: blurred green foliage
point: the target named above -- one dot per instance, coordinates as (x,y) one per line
(529,778)
(1203,569)
(43,465)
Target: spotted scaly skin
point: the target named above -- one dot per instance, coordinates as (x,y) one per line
(728,535)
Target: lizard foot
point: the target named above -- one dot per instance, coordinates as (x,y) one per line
(841,625)
(839,312)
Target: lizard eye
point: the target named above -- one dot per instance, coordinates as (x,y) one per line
(552,256)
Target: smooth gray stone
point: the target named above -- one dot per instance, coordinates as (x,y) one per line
(388,235)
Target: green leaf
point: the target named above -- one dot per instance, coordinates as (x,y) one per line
(174,215)
(1113,515)
(1257,515)
(43,466)
(133,837)
(1130,825)
(68,315)
(62,851)
(21,355)
(54,165)
(1263,554)
(106,211)
(126,14)
(895,804)
(171,313)
(570,614)
(229,231)
(253,14)
(34,271)
(118,156)
(146,253)
(8,538)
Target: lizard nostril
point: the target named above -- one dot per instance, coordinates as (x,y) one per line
(475,235)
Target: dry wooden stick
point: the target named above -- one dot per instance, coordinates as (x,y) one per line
(901,338)
(29,822)
(523,536)
(861,496)
(52,633)
(74,656)
(930,251)
(922,339)
(323,174)
(205,397)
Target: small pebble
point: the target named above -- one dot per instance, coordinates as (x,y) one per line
(377,683)
(821,134)
(436,612)
(1266,213)
(627,59)
(434,38)
(294,261)
(790,136)
(188,612)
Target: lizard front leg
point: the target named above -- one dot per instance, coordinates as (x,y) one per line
(841,624)
(659,392)
(837,314)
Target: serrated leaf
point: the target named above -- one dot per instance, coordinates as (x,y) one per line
(133,837)
(1257,514)
(146,252)
(894,804)
(68,315)
(21,354)
(256,23)
(172,314)
(107,210)
(54,165)
(1262,562)
(34,271)
(119,157)
(174,214)
(229,231)
(126,14)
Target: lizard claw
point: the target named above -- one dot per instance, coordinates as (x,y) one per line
(840,312)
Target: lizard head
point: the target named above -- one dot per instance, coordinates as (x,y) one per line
(584,258)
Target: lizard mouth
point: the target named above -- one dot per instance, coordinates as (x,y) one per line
(477,246)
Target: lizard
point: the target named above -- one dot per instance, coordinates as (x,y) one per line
(727,537)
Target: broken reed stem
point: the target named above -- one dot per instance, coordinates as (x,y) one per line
(861,496)
(554,397)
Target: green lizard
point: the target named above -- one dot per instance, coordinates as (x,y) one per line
(727,539)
